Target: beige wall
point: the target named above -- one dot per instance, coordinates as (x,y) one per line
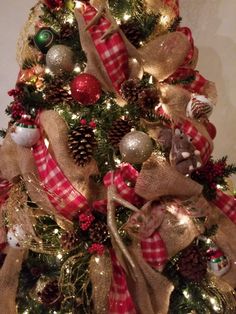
(213,23)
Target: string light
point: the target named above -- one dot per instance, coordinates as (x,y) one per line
(186,294)
(126,17)
(77,69)
(59,256)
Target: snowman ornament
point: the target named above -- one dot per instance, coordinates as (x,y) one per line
(218,263)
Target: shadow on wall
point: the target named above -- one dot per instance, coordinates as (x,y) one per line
(216,55)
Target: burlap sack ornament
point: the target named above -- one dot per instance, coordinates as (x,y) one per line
(226,230)
(157,178)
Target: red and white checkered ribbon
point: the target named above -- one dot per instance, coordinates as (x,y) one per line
(120,301)
(227,204)
(112,50)
(198,140)
(188,33)
(64,197)
(154,251)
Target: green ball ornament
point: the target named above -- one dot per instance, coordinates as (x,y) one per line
(136,147)
(44,39)
(59,59)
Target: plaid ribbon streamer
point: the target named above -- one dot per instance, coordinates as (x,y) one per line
(119,177)
(63,196)
(198,140)
(112,50)
(120,301)
(154,251)
(227,204)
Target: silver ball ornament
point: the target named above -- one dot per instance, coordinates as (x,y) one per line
(59,59)
(136,147)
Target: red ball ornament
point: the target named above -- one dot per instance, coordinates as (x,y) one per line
(85,89)
(211,129)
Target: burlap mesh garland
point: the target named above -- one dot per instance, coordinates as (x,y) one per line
(163,180)
(9,275)
(24,50)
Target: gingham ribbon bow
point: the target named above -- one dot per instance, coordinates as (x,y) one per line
(112,50)
(64,197)
(227,204)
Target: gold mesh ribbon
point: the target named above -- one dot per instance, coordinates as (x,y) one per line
(24,50)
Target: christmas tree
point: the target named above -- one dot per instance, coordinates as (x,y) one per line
(111,201)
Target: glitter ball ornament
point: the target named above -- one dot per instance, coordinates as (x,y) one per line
(199,106)
(44,39)
(25,132)
(59,59)
(136,147)
(85,89)
(15,235)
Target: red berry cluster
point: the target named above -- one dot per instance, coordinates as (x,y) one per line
(85,221)
(16,109)
(96,248)
(54,4)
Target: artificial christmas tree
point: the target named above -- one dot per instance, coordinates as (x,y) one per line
(116,205)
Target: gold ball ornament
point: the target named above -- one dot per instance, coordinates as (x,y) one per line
(59,59)
(136,147)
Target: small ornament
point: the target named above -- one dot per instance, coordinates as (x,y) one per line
(192,264)
(15,235)
(44,39)
(54,4)
(118,130)
(59,59)
(211,129)
(25,132)
(86,89)
(217,263)
(82,142)
(199,106)
(136,147)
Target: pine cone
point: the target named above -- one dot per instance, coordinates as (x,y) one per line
(147,99)
(132,31)
(118,130)
(69,240)
(67,31)
(56,93)
(98,232)
(51,293)
(192,264)
(81,141)
(130,90)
